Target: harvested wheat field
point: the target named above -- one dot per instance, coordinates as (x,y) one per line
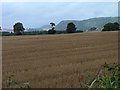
(59,61)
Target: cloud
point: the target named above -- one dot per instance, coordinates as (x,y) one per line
(60,1)
(0,14)
(37,14)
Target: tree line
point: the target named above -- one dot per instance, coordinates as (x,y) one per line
(18,28)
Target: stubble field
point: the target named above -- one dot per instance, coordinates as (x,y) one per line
(57,61)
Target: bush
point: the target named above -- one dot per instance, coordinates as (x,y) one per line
(111,27)
(51,31)
(18,28)
(71,28)
(5,33)
(107,77)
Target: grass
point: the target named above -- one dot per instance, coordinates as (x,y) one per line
(107,77)
(57,61)
(11,83)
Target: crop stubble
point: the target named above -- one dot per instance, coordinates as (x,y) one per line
(60,61)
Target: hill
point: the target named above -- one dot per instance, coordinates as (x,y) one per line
(45,27)
(85,25)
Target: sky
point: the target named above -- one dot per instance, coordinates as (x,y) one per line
(60,0)
(37,14)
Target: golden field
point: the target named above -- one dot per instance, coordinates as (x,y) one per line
(59,61)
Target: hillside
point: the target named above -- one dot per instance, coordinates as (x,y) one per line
(83,25)
(87,24)
(56,61)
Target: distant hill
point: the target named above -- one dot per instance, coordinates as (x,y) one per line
(85,25)
(42,28)
(45,27)
(6,30)
(33,29)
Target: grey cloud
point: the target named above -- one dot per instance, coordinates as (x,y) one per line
(38,14)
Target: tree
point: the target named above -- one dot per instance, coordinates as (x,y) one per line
(92,28)
(116,25)
(52,24)
(71,28)
(111,27)
(18,28)
(52,30)
(0,28)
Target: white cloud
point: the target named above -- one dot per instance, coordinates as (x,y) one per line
(0,14)
(60,1)
(38,14)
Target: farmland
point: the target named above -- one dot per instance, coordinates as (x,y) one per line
(66,60)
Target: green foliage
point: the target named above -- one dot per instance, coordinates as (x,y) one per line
(11,82)
(5,33)
(108,77)
(111,80)
(51,31)
(35,33)
(18,28)
(60,32)
(52,24)
(26,85)
(32,33)
(71,28)
(79,31)
(92,29)
(111,27)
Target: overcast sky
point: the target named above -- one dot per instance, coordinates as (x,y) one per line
(36,14)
